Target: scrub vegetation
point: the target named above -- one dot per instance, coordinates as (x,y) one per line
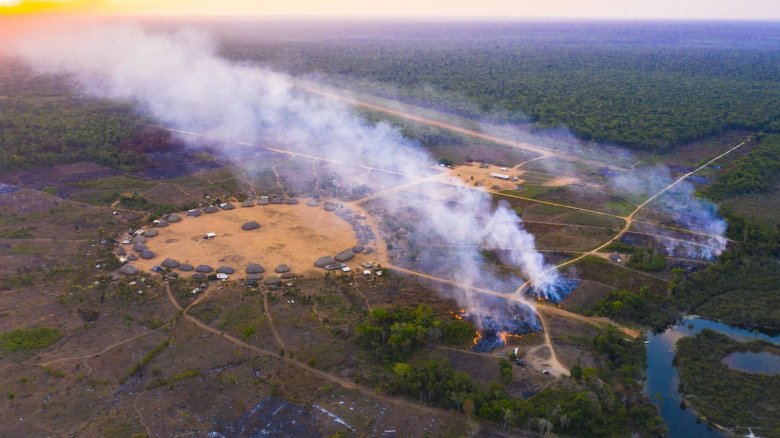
(724,396)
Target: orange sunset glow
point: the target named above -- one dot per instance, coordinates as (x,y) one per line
(672,9)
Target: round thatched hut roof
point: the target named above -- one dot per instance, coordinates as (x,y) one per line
(204,269)
(138,238)
(132,257)
(282,268)
(173,218)
(329,207)
(161,224)
(254,268)
(324,261)
(225,270)
(277,201)
(263,201)
(248,203)
(170,263)
(186,267)
(253,225)
(227,206)
(128,270)
(147,254)
(210,209)
(272,281)
(291,201)
(198,277)
(194,213)
(138,247)
(345,255)
(358,249)
(313,203)
(254,277)
(151,233)
(288,275)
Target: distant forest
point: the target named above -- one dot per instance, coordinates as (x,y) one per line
(648,86)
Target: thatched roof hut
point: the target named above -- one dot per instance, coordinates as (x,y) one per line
(170,263)
(323,261)
(150,233)
(313,203)
(204,269)
(194,213)
(186,267)
(282,268)
(128,270)
(273,281)
(147,254)
(132,257)
(358,249)
(161,224)
(227,206)
(138,247)
(210,209)
(252,225)
(277,200)
(263,200)
(198,277)
(139,238)
(173,218)
(288,276)
(226,270)
(254,268)
(248,203)
(291,201)
(329,207)
(345,255)
(253,278)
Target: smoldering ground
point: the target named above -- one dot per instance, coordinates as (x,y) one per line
(178,79)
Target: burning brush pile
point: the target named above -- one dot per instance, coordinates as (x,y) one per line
(499,319)
(555,291)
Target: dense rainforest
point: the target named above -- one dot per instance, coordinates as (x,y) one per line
(647,93)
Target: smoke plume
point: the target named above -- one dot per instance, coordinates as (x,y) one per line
(178,79)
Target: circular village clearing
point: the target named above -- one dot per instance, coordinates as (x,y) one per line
(262,241)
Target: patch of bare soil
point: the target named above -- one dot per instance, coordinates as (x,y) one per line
(295,235)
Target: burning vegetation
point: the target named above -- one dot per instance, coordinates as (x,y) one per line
(497,320)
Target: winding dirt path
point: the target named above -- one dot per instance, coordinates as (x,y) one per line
(344,383)
(271,322)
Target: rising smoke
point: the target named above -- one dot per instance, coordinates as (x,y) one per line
(178,79)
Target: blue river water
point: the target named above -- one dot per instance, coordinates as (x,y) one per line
(662,378)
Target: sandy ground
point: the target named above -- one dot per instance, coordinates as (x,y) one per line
(295,235)
(472,174)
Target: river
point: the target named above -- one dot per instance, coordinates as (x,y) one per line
(662,378)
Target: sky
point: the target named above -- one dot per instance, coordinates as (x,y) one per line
(582,9)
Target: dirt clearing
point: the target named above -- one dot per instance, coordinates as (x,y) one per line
(295,235)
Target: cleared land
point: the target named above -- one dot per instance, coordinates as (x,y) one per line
(295,235)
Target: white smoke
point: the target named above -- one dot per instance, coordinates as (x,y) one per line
(179,80)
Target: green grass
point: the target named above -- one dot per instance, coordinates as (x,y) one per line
(154,352)
(123,183)
(21,343)
(531,191)
(591,219)
(19,233)
(29,248)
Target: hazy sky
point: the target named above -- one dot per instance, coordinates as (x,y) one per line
(693,9)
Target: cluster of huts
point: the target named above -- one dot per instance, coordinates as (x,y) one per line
(253,272)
